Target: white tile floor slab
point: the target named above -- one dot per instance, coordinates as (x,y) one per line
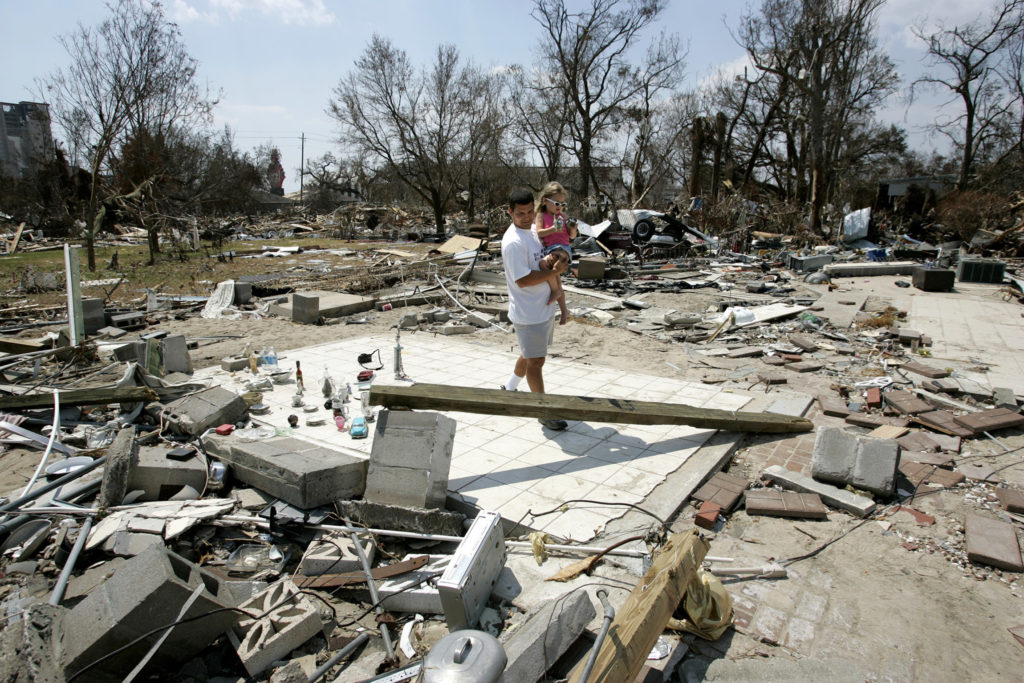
(510,464)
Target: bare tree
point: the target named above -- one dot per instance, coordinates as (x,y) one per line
(586,52)
(968,62)
(417,124)
(827,74)
(542,113)
(130,73)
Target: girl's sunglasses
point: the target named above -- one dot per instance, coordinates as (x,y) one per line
(560,205)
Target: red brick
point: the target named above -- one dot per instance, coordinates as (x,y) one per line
(873,397)
(907,403)
(928,474)
(707,515)
(925,370)
(725,490)
(922,518)
(989,420)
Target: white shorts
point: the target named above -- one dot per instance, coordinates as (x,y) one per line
(534,339)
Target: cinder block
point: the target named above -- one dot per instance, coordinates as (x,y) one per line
(305,308)
(836,497)
(707,515)
(875,468)
(477,320)
(131,352)
(410,459)
(537,644)
(441,315)
(195,413)
(841,457)
(834,456)
(175,351)
(147,590)
(291,619)
(333,552)
(457,329)
(296,471)
(412,591)
(233,363)
(160,477)
(409,321)
(93,315)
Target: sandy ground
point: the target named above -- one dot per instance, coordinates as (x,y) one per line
(897,614)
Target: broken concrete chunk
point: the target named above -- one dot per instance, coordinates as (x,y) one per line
(410,459)
(117,470)
(333,552)
(296,471)
(536,645)
(844,458)
(159,477)
(419,520)
(149,589)
(196,413)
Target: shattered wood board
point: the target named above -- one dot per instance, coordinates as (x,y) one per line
(460,243)
(888,432)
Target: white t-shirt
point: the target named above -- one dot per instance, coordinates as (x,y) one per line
(521,252)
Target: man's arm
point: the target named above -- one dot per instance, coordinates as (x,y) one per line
(536,277)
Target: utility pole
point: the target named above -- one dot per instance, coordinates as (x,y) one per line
(302,166)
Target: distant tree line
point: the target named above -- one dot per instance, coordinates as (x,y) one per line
(601,109)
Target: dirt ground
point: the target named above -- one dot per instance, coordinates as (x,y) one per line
(901,601)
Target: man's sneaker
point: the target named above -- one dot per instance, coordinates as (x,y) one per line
(556,425)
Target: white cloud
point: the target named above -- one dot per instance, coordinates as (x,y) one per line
(299,12)
(182,13)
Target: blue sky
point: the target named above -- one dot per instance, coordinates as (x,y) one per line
(277,61)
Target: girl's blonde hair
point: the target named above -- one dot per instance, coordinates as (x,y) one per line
(550,190)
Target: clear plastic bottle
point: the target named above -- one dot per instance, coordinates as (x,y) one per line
(272,359)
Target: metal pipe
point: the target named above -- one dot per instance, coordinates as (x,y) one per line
(8,525)
(371,584)
(609,614)
(337,657)
(35,438)
(624,552)
(69,566)
(67,478)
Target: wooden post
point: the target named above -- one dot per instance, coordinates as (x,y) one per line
(585,408)
(72,272)
(643,617)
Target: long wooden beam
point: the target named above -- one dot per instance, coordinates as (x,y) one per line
(79,397)
(584,408)
(642,618)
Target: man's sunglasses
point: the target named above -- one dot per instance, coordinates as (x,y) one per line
(560,205)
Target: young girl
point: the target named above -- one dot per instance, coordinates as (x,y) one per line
(555,232)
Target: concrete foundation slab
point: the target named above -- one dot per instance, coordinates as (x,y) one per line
(329,304)
(196,413)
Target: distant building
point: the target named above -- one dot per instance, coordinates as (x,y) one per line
(25,137)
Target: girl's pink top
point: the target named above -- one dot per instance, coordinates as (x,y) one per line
(561,236)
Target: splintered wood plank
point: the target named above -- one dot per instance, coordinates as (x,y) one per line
(643,617)
(888,432)
(80,397)
(583,408)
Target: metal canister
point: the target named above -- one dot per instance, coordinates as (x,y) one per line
(466,656)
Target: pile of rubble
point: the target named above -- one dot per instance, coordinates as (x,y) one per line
(166,530)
